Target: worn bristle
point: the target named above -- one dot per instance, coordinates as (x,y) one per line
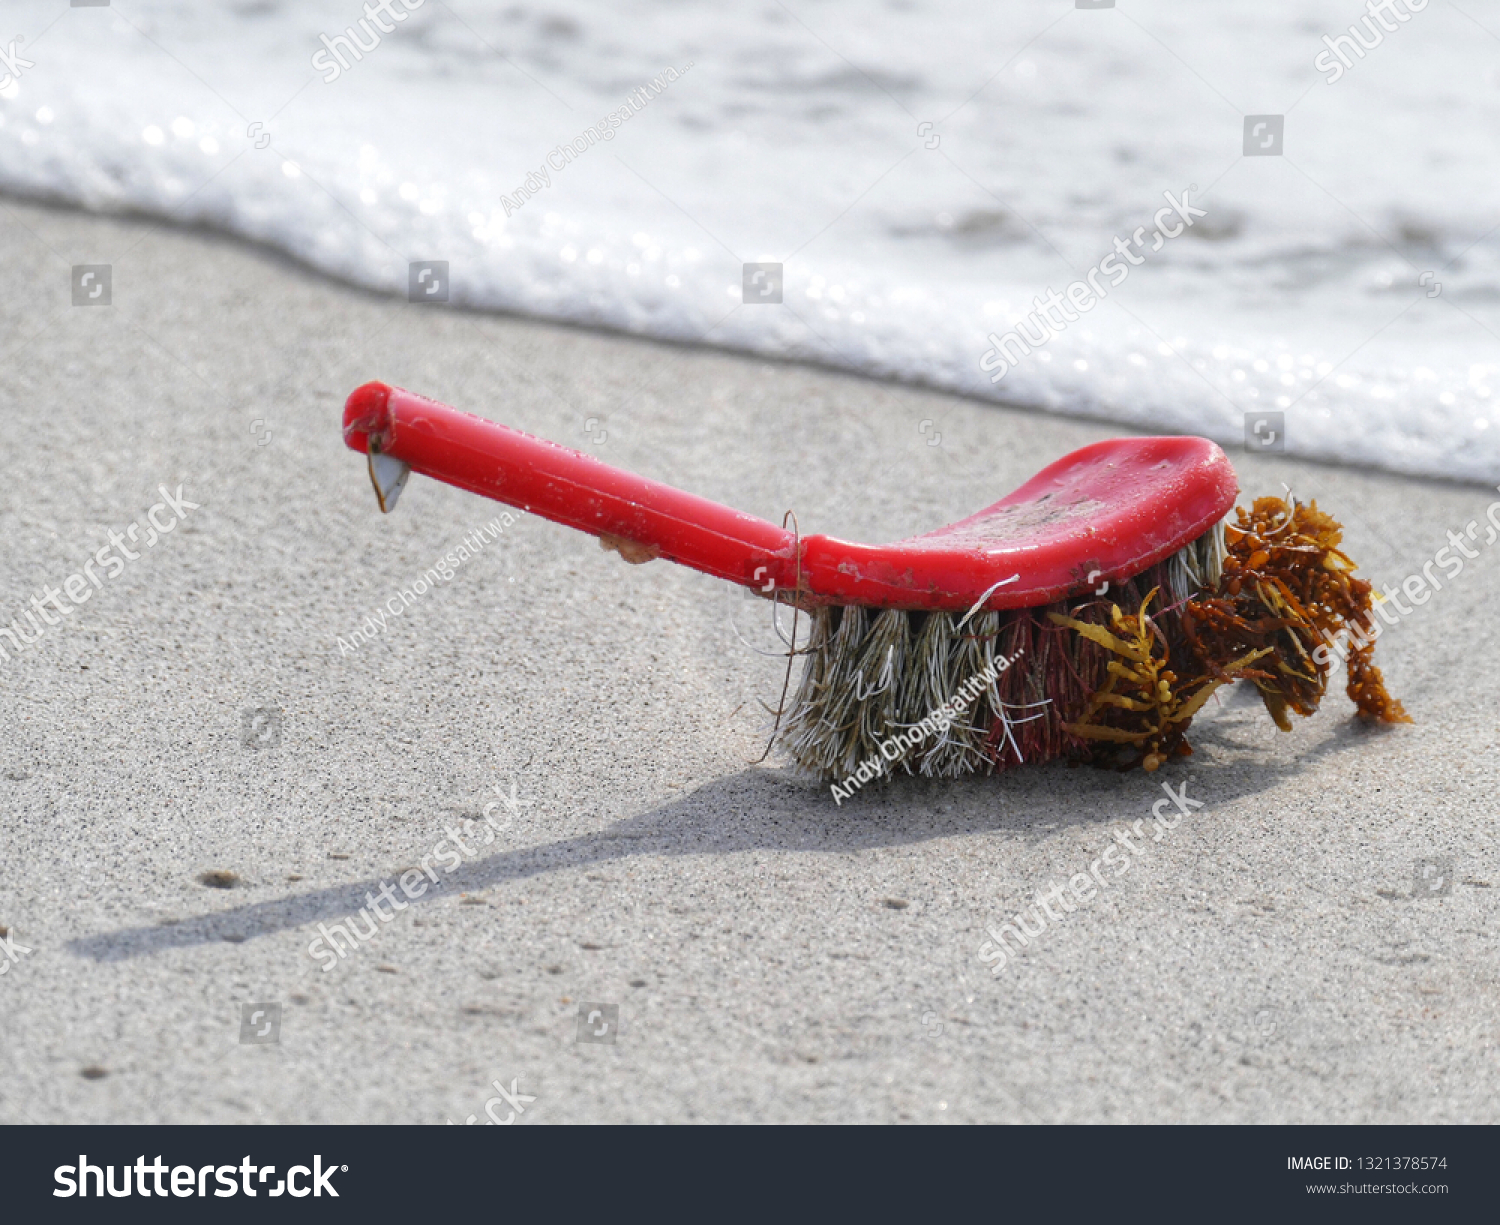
(948,694)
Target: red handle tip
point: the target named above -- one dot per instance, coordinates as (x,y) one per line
(366,412)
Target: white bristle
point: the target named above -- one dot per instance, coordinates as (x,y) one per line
(873,675)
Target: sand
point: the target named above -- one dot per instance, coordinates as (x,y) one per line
(772,956)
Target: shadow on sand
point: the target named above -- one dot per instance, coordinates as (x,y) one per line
(766,810)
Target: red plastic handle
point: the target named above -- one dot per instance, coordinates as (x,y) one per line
(1102,514)
(564,485)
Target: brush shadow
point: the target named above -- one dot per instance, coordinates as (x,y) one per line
(765,810)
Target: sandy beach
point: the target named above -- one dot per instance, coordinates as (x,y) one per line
(1316,943)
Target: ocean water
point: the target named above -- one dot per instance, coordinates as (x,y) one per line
(921,170)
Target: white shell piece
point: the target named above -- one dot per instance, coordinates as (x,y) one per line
(388,475)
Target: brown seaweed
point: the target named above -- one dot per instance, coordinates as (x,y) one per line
(1285,590)
(1288,586)
(1150,703)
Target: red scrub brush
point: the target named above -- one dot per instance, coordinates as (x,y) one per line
(1086,616)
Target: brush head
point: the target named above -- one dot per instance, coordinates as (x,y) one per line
(945,694)
(1111,680)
